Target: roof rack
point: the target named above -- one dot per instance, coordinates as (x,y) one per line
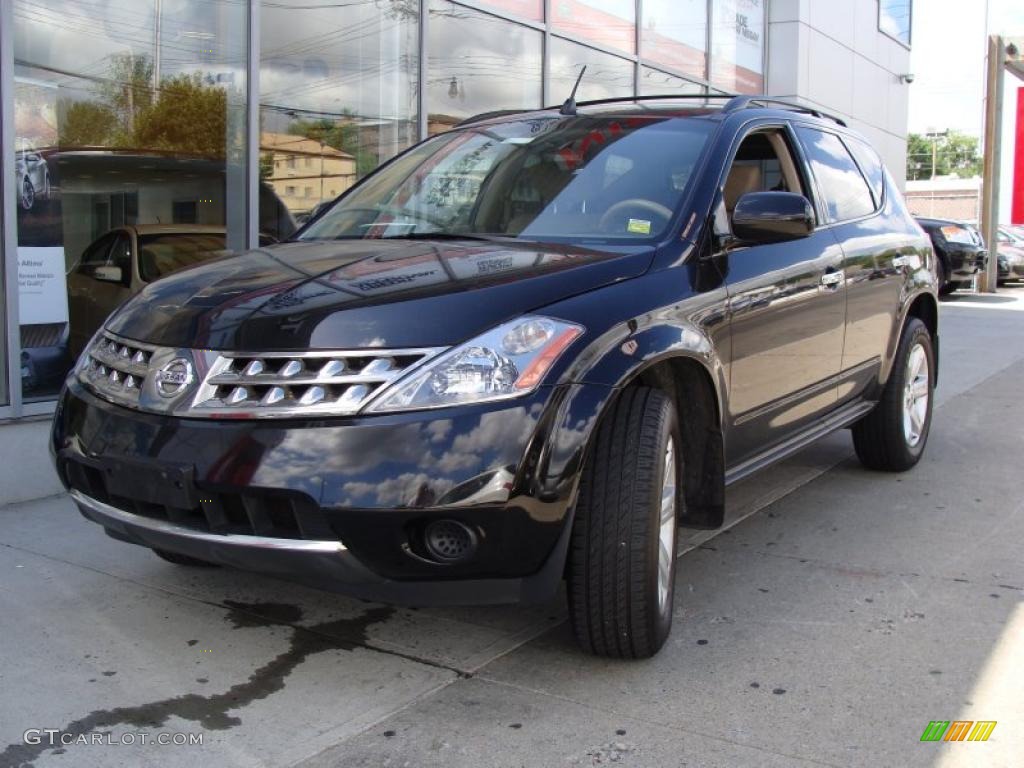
(736,102)
(746,102)
(658,97)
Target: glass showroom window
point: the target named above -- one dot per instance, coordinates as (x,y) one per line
(737,46)
(129,121)
(338,85)
(656,83)
(894,18)
(532,10)
(607,76)
(610,23)
(674,34)
(477,63)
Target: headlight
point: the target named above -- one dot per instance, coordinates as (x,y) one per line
(507,361)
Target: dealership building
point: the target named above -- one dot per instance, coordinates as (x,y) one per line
(222,124)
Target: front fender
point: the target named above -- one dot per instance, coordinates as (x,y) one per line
(628,349)
(612,361)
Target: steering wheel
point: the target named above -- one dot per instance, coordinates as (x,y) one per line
(634,202)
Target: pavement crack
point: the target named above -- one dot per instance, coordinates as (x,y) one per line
(211,712)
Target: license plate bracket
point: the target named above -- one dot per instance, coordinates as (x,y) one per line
(172,485)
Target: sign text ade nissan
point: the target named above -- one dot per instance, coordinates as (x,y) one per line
(522,351)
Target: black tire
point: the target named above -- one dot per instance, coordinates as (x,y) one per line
(28,194)
(613,589)
(880,438)
(174,557)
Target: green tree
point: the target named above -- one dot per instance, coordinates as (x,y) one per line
(128,89)
(954,153)
(266,165)
(188,117)
(87,124)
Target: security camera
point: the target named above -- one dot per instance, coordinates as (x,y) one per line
(907,78)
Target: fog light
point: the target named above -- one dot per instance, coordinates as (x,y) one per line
(449,541)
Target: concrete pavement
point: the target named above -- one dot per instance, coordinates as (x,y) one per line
(840,613)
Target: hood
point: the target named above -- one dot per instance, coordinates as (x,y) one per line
(351,294)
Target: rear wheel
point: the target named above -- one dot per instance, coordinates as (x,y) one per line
(622,562)
(174,557)
(892,437)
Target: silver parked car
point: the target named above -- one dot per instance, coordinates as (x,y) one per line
(33,177)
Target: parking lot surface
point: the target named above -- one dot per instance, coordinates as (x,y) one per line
(838,614)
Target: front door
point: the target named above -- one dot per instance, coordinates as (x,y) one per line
(787,305)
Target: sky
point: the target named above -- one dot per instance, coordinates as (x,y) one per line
(948,60)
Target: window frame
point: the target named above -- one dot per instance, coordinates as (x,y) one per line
(797,155)
(825,220)
(910,25)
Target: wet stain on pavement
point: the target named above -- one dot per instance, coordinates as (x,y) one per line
(211,711)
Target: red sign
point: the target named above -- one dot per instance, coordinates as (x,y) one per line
(527,9)
(1017,213)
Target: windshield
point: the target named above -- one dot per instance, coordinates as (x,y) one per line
(162,254)
(542,178)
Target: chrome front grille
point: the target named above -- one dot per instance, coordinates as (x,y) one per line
(286,384)
(222,384)
(116,368)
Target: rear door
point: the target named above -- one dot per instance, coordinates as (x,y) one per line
(851,181)
(787,306)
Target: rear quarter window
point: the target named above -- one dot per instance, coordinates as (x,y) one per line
(870,165)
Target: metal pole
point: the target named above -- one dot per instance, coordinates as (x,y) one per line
(8,198)
(157,33)
(993,141)
(252,128)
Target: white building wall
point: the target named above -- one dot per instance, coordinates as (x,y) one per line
(831,54)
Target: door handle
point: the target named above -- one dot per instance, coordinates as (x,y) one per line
(833,279)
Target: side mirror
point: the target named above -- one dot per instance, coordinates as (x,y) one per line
(772,217)
(108,274)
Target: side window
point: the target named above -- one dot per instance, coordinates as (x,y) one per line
(763,163)
(95,255)
(846,193)
(871,165)
(121,255)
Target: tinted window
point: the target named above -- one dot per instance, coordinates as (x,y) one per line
(871,165)
(162,254)
(592,177)
(96,253)
(846,194)
(121,254)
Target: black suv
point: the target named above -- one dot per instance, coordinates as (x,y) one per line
(523,351)
(959,252)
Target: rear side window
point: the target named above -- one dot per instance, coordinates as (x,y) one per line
(871,165)
(846,193)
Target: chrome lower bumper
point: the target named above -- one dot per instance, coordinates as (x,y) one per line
(321,564)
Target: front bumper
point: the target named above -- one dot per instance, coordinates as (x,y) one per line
(341,504)
(1010,270)
(964,264)
(320,564)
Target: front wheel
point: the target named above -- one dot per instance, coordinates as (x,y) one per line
(892,437)
(28,195)
(622,562)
